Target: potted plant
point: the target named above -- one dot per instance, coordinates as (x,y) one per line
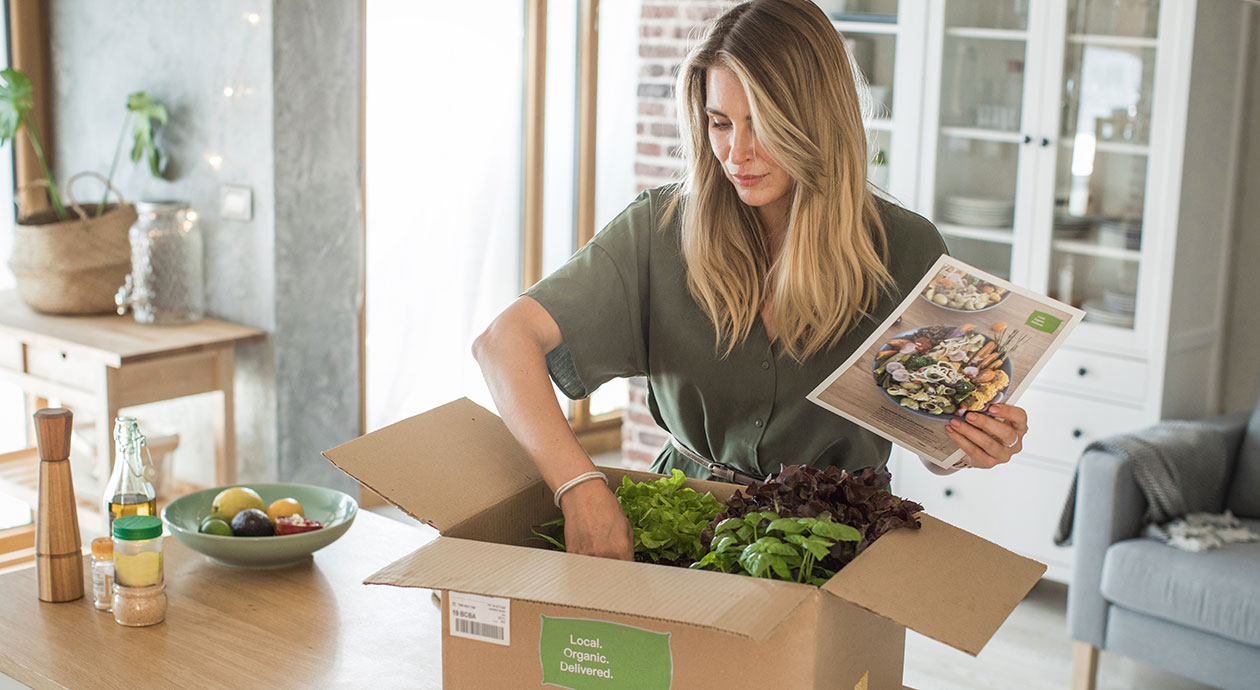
(71,261)
(877,171)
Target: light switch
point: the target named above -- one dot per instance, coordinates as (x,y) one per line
(236,203)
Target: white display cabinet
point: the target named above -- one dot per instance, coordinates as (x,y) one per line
(885,42)
(1085,149)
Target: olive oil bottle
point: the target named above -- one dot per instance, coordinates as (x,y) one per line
(129,490)
(130,504)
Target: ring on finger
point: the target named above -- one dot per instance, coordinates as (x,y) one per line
(1012,443)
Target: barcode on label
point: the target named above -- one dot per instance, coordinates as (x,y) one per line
(493,632)
(485,619)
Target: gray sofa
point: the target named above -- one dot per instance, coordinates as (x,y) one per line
(1195,614)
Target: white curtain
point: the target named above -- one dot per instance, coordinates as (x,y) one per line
(444,127)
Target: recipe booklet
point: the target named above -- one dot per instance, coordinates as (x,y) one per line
(961,341)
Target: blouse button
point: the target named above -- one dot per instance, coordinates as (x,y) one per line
(758,423)
(765,365)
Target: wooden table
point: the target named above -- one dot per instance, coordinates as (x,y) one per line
(313,625)
(100,364)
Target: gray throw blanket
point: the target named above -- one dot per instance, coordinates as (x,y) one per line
(1181,467)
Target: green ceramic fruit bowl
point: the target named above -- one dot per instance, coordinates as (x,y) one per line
(334,509)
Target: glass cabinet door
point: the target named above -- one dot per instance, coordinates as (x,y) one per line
(1102,157)
(979,140)
(870,29)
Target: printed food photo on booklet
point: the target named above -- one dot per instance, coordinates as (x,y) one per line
(961,341)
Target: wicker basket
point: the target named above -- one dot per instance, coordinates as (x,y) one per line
(73,266)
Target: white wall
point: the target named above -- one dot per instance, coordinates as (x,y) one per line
(1242,351)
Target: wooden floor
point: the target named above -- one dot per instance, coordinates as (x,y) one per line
(1030,652)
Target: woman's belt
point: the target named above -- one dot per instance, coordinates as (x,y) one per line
(723,472)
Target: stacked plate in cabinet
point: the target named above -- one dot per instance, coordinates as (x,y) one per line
(1067,227)
(1123,234)
(1116,308)
(978,212)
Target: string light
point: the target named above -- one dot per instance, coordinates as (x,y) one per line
(252,17)
(228,91)
(215,160)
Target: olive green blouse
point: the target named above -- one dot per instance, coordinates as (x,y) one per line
(624,309)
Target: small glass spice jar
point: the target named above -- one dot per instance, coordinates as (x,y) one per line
(139,581)
(103,573)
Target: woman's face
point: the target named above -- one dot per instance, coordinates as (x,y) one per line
(757,178)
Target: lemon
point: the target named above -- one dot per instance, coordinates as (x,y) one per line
(231,501)
(216,525)
(284,507)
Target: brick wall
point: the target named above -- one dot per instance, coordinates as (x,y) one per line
(667,29)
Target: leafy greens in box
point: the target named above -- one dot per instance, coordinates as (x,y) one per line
(788,548)
(667,517)
(861,499)
(801,525)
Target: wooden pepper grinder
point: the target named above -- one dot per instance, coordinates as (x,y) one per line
(58,549)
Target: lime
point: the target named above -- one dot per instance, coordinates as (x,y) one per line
(216,525)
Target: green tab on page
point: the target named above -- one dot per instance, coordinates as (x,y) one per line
(584,654)
(1044,322)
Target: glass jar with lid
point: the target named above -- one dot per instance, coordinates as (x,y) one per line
(139,578)
(167,279)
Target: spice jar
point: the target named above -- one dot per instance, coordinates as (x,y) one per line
(137,607)
(103,573)
(139,582)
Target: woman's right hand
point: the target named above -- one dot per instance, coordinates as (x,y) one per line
(512,354)
(594,524)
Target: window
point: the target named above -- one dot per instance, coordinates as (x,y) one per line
(451,182)
(443,195)
(26,24)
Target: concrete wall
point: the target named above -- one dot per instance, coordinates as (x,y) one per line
(264,96)
(317,234)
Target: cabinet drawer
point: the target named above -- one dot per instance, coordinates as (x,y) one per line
(1060,426)
(10,352)
(1016,505)
(1096,374)
(59,366)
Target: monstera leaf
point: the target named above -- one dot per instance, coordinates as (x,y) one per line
(16,100)
(146,112)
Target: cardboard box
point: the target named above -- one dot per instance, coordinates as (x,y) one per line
(517,616)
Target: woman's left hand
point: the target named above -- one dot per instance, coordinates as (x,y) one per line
(990,439)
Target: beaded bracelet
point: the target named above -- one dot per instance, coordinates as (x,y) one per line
(578,480)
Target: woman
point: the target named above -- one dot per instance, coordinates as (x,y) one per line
(737,291)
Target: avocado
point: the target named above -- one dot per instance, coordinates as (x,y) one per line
(252,522)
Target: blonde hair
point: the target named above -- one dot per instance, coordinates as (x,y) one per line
(804,100)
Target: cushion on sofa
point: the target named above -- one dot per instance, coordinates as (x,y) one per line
(1244,490)
(1214,591)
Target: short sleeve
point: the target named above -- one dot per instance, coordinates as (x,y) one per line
(914,244)
(599,298)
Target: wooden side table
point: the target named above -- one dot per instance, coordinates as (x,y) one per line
(100,364)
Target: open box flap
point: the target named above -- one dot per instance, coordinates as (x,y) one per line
(743,606)
(442,466)
(940,581)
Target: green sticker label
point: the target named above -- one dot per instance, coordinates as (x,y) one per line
(1044,322)
(584,654)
